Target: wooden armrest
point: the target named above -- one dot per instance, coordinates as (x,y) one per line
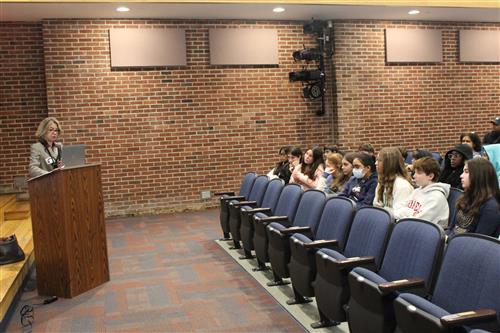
(241,203)
(354,261)
(292,230)
(401,284)
(321,243)
(468,317)
(258,210)
(227,193)
(270,219)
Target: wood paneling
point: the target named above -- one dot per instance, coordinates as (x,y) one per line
(69,231)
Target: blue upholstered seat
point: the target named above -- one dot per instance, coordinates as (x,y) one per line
(468,280)
(307,216)
(225,197)
(368,237)
(413,253)
(286,206)
(333,228)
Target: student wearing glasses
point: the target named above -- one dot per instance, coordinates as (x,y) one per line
(46,153)
(454,162)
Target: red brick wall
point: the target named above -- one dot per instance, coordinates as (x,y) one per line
(415,106)
(162,135)
(23,102)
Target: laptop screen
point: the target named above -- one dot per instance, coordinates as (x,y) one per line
(73,155)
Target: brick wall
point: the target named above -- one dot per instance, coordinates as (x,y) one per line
(415,106)
(162,135)
(23,102)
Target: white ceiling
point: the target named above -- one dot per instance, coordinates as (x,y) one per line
(39,11)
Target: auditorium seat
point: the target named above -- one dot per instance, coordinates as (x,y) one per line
(455,193)
(286,206)
(410,263)
(254,199)
(282,227)
(365,246)
(466,295)
(226,196)
(332,231)
(268,205)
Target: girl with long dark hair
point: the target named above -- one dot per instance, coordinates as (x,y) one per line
(478,209)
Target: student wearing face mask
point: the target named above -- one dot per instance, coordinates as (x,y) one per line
(361,186)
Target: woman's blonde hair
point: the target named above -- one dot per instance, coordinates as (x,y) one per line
(44,127)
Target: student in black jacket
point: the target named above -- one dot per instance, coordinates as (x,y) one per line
(454,161)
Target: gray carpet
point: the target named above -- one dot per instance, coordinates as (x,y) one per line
(305,314)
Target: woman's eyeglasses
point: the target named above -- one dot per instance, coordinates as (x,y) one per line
(54,130)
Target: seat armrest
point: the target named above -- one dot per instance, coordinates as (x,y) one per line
(292,230)
(321,243)
(241,203)
(401,284)
(270,219)
(468,317)
(258,210)
(354,262)
(234,197)
(226,193)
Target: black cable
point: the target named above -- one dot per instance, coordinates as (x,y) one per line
(27,313)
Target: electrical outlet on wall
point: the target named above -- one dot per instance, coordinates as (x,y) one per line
(205,195)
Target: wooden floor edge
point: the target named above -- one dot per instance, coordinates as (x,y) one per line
(17,284)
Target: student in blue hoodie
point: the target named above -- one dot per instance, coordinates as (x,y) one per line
(361,187)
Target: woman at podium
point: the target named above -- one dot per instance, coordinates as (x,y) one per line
(46,153)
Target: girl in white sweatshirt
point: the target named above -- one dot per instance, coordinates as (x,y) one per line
(394,184)
(430,200)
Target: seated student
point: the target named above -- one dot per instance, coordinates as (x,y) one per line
(330,149)
(473,140)
(416,155)
(454,165)
(394,187)
(344,175)
(493,136)
(333,170)
(281,169)
(361,186)
(366,148)
(492,154)
(428,201)
(308,173)
(478,209)
(294,158)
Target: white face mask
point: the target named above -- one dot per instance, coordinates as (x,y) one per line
(358,173)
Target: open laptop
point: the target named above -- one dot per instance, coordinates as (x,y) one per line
(73,155)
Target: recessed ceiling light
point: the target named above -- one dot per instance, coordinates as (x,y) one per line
(279,10)
(122,9)
(414,12)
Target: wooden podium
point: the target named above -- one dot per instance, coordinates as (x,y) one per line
(69,232)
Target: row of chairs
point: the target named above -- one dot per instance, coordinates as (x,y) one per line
(357,263)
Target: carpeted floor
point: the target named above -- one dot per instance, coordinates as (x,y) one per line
(167,275)
(304,313)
